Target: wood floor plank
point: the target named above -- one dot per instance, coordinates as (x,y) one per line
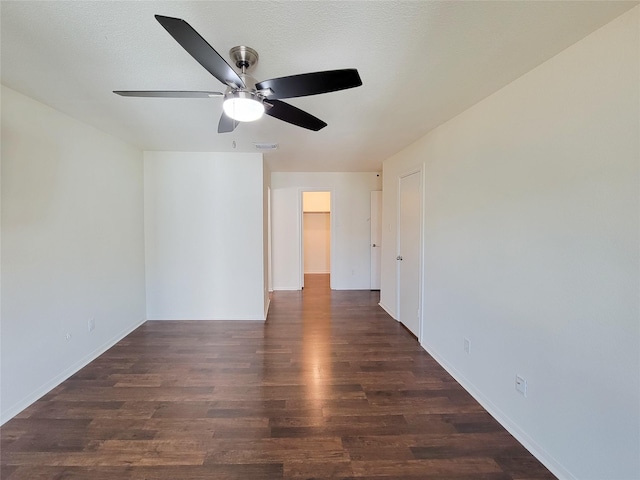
(330,387)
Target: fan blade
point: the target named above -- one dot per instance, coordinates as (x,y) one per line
(199,49)
(290,114)
(226,124)
(167,94)
(310,83)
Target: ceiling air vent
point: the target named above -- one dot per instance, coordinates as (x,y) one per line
(266,146)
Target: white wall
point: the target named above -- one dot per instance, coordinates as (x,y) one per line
(350,213)
(72,247)
(531,251)
(204,236)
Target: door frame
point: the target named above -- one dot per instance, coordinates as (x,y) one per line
(332,216)
(420,171)
(269,243)
(380,223)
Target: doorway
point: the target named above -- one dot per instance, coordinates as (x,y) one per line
(316,234)
(409,247)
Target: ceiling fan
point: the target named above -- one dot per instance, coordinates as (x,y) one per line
(246,100)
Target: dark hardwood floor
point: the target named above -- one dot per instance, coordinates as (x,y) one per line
(329,387)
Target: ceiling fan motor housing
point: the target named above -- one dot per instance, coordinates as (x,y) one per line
(243,57)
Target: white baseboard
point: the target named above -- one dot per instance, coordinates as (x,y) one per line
(39,392)
(266,308)
(534,448)
(388,310)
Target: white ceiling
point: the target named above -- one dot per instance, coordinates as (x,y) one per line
(421,63)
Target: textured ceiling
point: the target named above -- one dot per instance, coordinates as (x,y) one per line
(421,63)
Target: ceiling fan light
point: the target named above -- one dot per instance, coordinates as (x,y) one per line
(242,106)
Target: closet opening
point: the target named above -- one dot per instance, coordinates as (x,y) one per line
(316,238)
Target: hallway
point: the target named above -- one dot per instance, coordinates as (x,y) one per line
(329,387)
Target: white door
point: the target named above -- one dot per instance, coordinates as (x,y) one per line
(376,238)
(408,258)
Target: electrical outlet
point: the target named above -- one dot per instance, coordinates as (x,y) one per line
(91,324)
(467,346)
(521,385)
